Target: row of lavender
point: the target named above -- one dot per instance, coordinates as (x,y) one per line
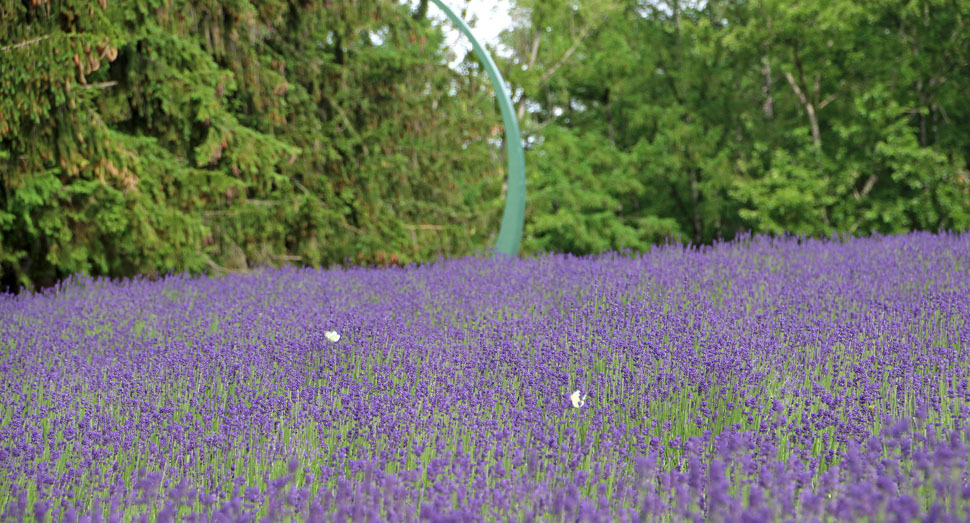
(753,380)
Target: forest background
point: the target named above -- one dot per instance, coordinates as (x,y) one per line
(147,137)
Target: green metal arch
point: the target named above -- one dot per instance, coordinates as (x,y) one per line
(513,219)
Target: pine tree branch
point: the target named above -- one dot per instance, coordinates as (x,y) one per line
(569,52)
(100,85)
(25,43)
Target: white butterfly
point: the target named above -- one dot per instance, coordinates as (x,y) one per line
(577,401)
(332,336)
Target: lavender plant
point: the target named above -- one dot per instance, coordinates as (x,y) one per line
(762,379)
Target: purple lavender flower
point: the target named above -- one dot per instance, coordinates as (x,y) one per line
(750,381)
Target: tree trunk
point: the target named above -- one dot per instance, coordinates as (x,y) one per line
(803,98)
(809,109)
(695,206)
(768,106)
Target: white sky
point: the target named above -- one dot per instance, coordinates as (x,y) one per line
(487,18)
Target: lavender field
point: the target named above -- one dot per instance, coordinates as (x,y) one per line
(759,380)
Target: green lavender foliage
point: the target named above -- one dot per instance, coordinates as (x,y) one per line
(799,351)
(150,137)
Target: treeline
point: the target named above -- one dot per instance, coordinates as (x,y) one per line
(155,136)
(701,119)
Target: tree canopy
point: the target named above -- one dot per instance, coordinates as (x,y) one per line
(154,136)
(699,120)
(148,137)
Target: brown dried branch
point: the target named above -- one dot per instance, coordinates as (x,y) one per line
(25,43)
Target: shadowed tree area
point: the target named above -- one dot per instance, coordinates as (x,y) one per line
(156,136)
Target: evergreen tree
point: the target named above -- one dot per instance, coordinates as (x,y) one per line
(153,136)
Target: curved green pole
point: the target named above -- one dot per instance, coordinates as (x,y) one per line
(510,235)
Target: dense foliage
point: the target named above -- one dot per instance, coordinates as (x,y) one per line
(700,119)
(154,136)
(761,380)
(151,136)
